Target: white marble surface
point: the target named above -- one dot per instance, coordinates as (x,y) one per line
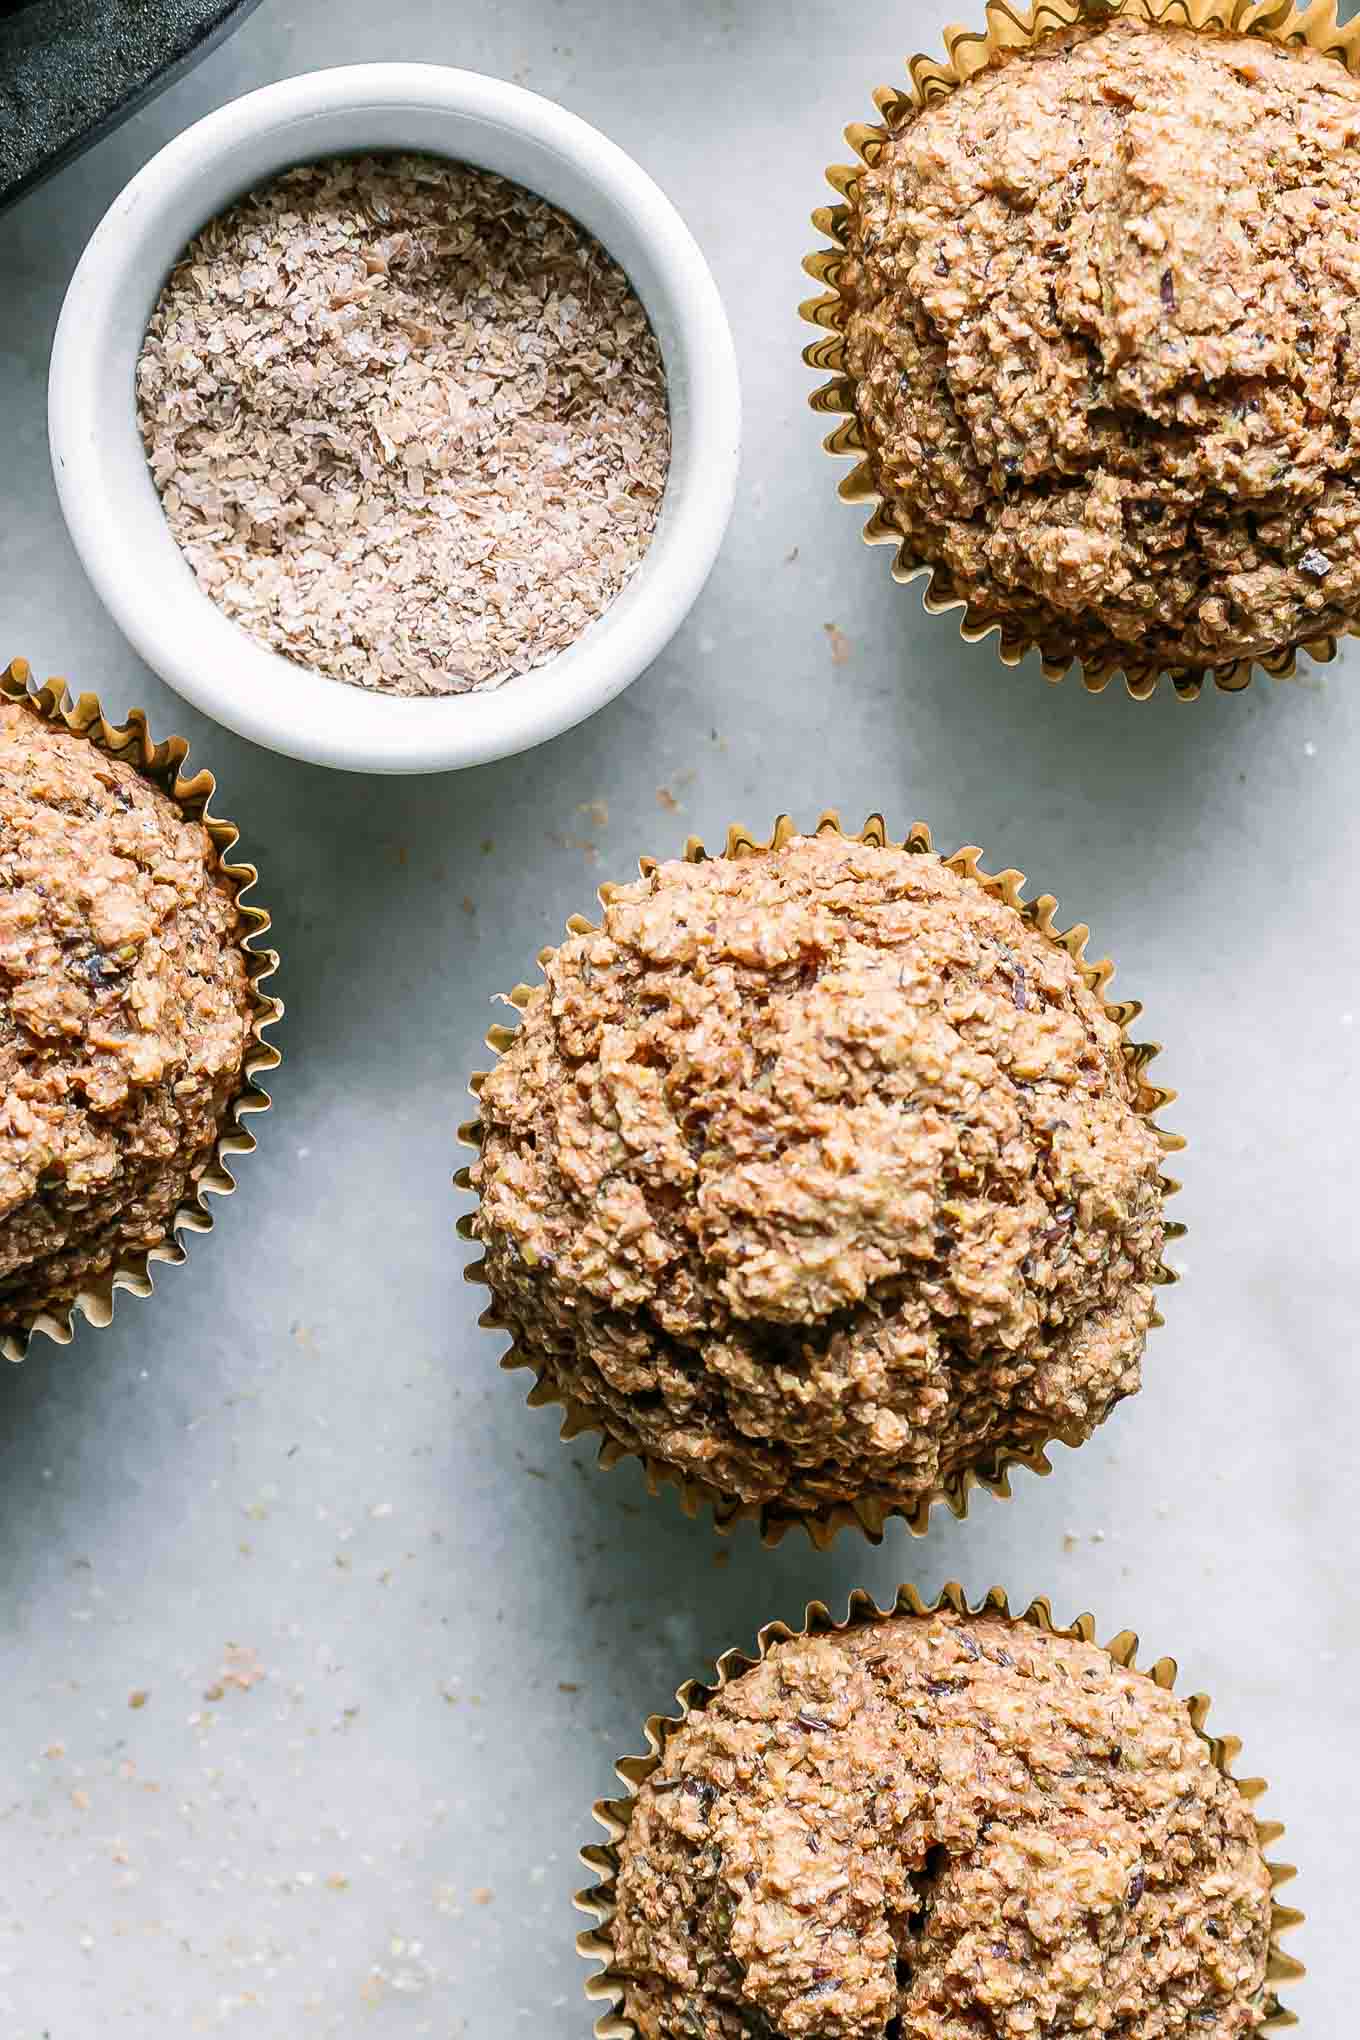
(303,1445)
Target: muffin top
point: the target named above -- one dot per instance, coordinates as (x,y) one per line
(1102,306)
(963,1825)
(124,1009)
(816,1174)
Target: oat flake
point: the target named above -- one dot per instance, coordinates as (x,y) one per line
(408,422)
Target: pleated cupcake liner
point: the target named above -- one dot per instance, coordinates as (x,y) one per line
(870,1514)
(605,1985)
(163,764)
(968,51)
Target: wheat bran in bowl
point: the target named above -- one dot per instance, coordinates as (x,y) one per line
(408,422)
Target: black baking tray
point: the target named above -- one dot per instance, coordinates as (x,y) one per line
(70,70)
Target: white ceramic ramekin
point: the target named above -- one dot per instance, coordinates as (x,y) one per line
(110,502)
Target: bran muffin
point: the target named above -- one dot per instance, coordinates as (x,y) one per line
(816,1176)
(936,1827)
(125,1013)
(1101,308)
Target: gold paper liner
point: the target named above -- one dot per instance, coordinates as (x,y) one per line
(595,1943)
(162,765)
(967,52)
(869,1514)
